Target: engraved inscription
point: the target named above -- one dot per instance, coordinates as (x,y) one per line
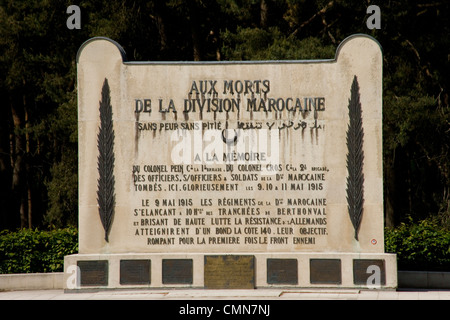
(135,271)
(325,271)
(282,271)
(362,270)
(93,272)
(229,272)
(177,271)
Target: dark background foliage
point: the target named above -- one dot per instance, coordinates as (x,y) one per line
(38,105)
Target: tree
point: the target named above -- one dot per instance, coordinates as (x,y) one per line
(416,114)
(38,124)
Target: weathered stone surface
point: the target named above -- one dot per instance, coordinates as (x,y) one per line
(230,174)
(229,156)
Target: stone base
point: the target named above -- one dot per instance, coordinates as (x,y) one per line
(230,271)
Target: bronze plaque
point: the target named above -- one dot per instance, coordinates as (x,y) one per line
(229,272)
(365,268)
(282,271)
(325,271)
(177,271)
(135,271)
(93,272)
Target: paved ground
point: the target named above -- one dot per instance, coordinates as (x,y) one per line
(260,294)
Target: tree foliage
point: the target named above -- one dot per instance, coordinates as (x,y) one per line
(29,251)
(38,117)
(422,245)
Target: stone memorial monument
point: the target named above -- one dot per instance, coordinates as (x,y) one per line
(246,174)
